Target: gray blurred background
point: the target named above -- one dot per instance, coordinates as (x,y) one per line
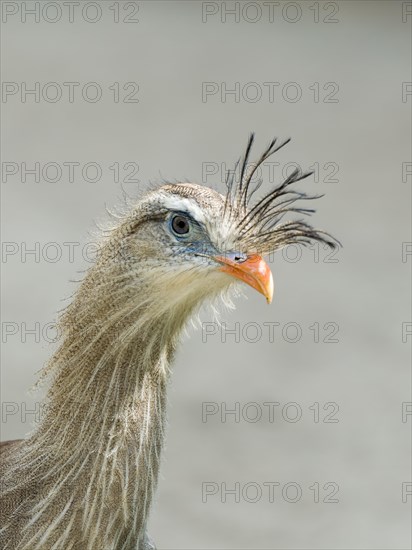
(333,76)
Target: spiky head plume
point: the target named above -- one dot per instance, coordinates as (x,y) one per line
(258,223)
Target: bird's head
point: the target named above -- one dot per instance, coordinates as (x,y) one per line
(188,242)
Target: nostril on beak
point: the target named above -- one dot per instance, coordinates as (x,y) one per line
(237,257)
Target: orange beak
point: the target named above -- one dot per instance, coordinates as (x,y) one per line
(254,271)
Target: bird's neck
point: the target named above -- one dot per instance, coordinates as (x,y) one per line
(103,429)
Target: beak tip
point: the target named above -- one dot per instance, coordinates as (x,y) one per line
(270,287)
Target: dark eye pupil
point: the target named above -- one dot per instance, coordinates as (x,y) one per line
(180,225)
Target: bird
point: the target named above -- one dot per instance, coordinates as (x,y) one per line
(86,476)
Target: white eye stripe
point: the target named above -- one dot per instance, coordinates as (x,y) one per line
(181,204)
(219,233)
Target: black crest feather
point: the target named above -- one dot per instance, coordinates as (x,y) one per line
(258,223)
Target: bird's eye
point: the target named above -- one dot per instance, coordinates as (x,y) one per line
(180,225)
